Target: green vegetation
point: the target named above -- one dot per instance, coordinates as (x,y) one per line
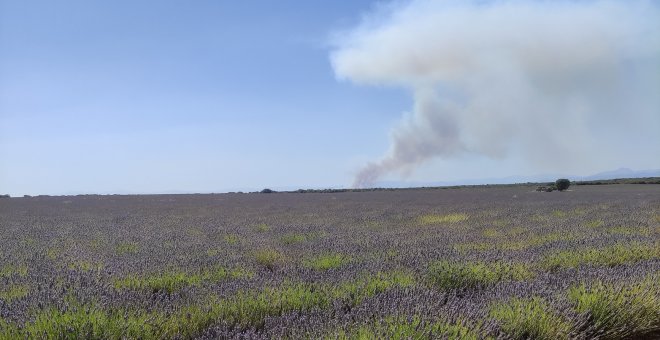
(241,273)
(605,256)
(86,266)
(126,248)
(13,292)
(212,252)
(354,292)
(529,319)
(262,227)
(9,270)
(536,241)
(562,184)
(231,239)
(269,258)
(595,223)
(628,231)
(414,328)
(453,275)
(491,232)
(170,281)
(514,245)
(245,309)
(559,213)
(441,219)
(327,261)
(620,311)
(293,239)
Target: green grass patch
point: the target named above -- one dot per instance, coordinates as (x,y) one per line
(539,218)
(594,223)
(88,322)
(516,245)
(86,266)
(353,292)
(10,270)
(406,328)
(605,256)
(53,252)
(241,273)
(515,231)
(262,227)
(629,231)
(243,310)
(293,239)
(491,233)
(8,330)
(269,258)
(326,262)
(529,319)
(212,252)
(559,213)
(500,223)
(470,275)
(14,292)
(170,281)
(620,311)
(126,248)
(536,241)
(231,239)
(442,219)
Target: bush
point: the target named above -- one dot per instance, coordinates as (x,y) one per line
(529,319)
(562,184)
(267,191)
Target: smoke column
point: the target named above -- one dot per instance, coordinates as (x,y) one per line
(490,76)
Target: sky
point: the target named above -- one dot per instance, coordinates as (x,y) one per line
(215,96)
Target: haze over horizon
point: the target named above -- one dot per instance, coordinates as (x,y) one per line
(223,96)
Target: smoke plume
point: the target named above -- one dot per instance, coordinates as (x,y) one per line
(491,76)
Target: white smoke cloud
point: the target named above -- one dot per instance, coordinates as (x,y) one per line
(488,76)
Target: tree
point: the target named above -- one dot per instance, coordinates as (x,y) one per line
(267,191)
(562,184)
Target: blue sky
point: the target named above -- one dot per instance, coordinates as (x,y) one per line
(148,96)
(203,96)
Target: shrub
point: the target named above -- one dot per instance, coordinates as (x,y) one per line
(262,227)
(606,256)
(326,262)
(452,275)
(619,311)
(529,319)
(269,258)
(562,184)
(170,281)
(407,328)
(267,191)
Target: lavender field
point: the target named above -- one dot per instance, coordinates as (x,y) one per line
(469,263)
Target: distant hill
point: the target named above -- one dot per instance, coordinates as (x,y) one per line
(621,173)
(606,175)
